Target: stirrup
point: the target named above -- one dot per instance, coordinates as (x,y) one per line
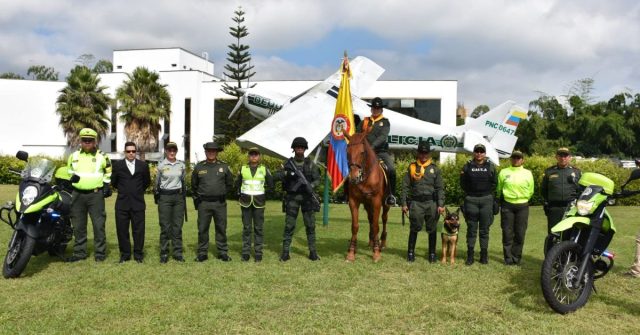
(391,200)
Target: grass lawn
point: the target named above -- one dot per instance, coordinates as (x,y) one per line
(300,296)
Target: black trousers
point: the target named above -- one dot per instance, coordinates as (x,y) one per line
(135,219)
(514,221)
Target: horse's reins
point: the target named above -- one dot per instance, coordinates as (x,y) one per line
(361,169)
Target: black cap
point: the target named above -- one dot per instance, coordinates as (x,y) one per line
(563,151)
(254,149)
(170,145)
(212,146)
(376,103)
(480,147)
(299,142)
(517,154)
(424,148)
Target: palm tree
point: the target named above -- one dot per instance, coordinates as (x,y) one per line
(143,103)
(83,104)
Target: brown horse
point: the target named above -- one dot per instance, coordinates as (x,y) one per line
(366,186)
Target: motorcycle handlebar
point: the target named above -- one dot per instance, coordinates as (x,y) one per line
(625,194)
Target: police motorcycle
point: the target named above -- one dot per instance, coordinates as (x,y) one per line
(39,216)
(579,253)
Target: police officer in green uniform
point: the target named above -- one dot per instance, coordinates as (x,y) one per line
(210,181)
(423,185)
(478,180)
(250,184)
(169,192)
(297,198)
(559,187)
(94,169)
(378,128)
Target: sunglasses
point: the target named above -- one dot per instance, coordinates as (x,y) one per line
(479,151)
(130,151)
(87,140)
(563,155)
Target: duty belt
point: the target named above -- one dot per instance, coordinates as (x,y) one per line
(213,198)
(95,190)
(426,197)
(171,192)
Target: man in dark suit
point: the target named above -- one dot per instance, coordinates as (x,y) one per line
(131,178)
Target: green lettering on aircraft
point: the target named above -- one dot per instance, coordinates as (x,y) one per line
(262,102)
(447,141)
(500,127)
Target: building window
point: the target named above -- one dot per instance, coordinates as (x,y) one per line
(174,65)
(423,109)
(187,129)
(119,67)
(114,127)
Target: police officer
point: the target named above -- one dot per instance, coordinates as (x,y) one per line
(478,181)
(250,184)
(515,188)
(210,181)
(559,187)
(169,192)
(94,169)
(423,183)
(297,198)
(378,128)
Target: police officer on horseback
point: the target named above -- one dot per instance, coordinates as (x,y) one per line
(377,127)
(299,177)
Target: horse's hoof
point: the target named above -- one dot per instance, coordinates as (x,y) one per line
(376,256)
(350,258)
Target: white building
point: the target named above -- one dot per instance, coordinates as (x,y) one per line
(30,121)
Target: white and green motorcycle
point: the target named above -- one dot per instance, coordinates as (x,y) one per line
(579,253)
(39,216)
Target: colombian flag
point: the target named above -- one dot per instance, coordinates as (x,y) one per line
(337,163)
(515,117)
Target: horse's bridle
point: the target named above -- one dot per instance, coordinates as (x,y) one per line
(361,168)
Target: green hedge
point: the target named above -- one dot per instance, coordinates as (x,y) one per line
(236,157)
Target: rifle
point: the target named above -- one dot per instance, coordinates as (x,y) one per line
(302,181)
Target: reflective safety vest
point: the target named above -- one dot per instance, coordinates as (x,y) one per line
(253,185)
(94,169)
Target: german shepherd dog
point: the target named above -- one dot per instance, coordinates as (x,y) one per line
(450,235)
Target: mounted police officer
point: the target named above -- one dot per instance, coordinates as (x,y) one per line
(559,187)
(298,197)
(423,184)
(94,169)
(250,184)
(169,192)
(478,180)
(378,128)
(210,181)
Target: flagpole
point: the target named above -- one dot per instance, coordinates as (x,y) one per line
(325,200)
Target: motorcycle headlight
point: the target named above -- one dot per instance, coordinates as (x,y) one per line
(29,194)
(584,207)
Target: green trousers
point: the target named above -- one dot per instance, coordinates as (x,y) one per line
(478,212)
(218,211)
(252,220)
(423,213)
(293,207)
(92,204)
(170,216)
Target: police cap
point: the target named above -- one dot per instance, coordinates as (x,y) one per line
(88,133)
(171,145)
(376,103)
(212,146)
(479,148)
(254,150)
(517,154)
(563,151)
(299,142)
(424,147)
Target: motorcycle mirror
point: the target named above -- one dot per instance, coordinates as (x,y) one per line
(75,178)
(22,155)
(611,202)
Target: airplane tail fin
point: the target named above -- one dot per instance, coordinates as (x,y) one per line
(498,126)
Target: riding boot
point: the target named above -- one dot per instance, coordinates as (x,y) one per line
(469,256)
(411,248)
(391,199)
(484,256)
(432,247)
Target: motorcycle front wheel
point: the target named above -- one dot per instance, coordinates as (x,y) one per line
(18,255)
(561,289)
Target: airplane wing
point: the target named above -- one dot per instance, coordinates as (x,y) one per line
(309,115)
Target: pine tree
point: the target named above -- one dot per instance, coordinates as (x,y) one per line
(239,57)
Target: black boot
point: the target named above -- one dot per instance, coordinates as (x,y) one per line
(313,255)
(391,199)
(411,248)
(285,256)
(432,247)
(469,256)
(484,257)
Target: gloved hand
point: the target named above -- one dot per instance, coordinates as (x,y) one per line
(156,196)
(196,202)
(106,190)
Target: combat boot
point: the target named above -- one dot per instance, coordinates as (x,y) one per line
(285,256)
(391,199)
(432,247)
(469,256)
(313,255)
(411,247)
(484,256)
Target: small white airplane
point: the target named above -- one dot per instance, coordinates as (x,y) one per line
(310,115)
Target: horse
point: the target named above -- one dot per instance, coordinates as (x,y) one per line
(367,186)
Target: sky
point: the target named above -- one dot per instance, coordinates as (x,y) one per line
(497,50)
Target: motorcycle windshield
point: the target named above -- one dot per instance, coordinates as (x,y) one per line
(39,169)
